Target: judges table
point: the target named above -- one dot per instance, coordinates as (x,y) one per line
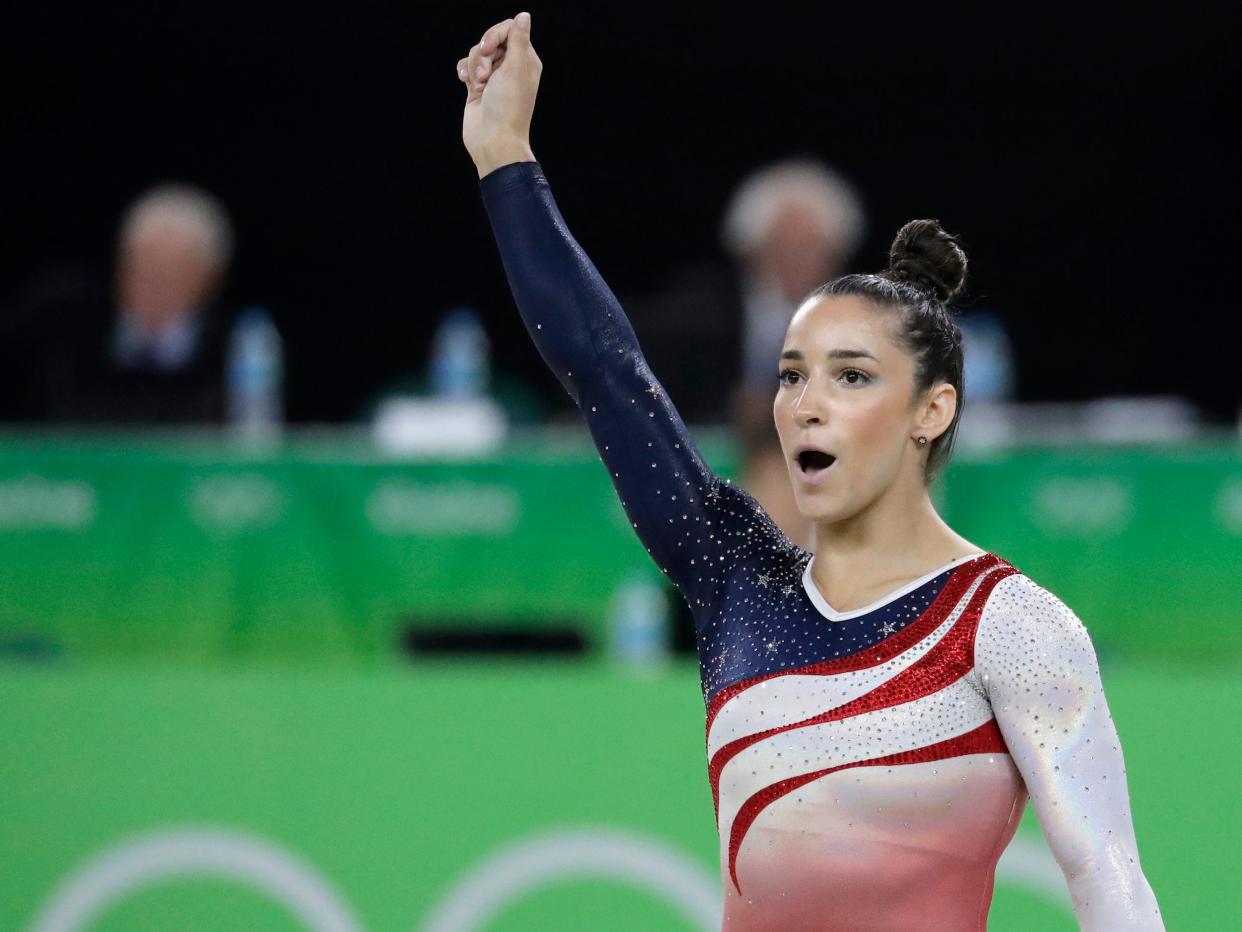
(190,546)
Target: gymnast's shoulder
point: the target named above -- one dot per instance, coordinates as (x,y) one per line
(1026,616)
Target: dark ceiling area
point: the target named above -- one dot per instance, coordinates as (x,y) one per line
(1086,159)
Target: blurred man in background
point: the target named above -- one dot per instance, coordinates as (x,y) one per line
(152,351)
(789,227)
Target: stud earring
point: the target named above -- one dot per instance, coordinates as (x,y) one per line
(922,440)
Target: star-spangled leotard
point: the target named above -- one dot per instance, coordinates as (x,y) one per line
(867,767)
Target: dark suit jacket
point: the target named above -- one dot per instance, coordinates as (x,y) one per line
(691,334)
(56,356)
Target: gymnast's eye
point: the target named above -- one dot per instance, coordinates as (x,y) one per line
(784,373)
(866,378)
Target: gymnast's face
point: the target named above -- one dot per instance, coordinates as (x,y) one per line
(846,388)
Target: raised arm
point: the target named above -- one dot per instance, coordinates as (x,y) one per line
(673,500)
(1038,668)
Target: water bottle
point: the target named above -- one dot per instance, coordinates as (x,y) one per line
(638,621)
(459,355)
(255,376)
(989,374)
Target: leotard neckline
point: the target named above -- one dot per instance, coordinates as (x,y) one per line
(831,614)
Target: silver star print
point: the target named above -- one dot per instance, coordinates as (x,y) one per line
(887,628)
(763,579)
(713,494)
(787,591)
(771,646)
(653,389)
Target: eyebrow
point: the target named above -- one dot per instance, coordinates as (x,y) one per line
(832,354)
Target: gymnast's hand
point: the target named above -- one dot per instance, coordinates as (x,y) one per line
(501,75)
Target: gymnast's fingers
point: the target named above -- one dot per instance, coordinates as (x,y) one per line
(491,48)
(495,37)
(492,62)
(466,72)
(472,63)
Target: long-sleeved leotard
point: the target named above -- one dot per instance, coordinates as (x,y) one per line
(867,767)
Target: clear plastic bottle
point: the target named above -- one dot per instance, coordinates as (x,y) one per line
(638,621)
(255,376)
(460,353)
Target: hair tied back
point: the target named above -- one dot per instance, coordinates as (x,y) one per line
(925,256)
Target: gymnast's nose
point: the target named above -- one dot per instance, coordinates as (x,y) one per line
(810,407)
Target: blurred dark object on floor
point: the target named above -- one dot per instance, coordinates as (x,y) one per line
(467,639)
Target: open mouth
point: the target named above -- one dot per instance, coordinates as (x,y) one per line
(813,462)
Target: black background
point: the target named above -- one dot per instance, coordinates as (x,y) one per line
(1085,156)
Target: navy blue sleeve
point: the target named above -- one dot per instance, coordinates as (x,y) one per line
(673,499)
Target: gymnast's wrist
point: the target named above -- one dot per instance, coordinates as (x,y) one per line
(501,152)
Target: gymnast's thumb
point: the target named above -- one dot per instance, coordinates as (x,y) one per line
(520,34)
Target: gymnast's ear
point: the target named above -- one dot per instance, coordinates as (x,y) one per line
(938,407)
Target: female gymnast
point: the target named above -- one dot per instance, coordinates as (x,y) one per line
(878,711)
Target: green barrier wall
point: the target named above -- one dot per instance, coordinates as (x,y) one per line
(1145,544)
(324,550)
(321,550)
(200,798)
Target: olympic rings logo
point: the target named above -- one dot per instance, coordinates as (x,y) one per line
(477,898)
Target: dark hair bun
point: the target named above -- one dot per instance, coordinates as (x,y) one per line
(925,256)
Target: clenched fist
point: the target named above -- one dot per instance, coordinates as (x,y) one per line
(501,74)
